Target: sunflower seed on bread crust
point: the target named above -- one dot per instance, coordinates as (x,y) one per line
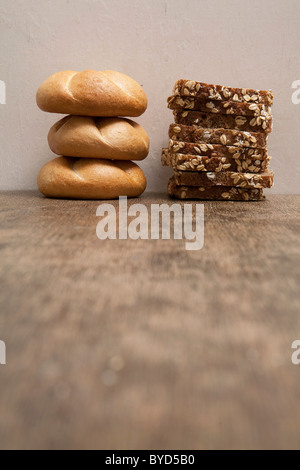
(187,162)
(231,137)
(216,193)
(221,107)
(224,178)
(216,150)
(262,124)
(218,92)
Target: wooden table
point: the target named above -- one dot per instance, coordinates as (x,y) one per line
(128,344)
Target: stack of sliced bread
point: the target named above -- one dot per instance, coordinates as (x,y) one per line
(218,144)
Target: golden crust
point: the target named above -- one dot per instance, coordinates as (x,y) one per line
(92,93)
(91,137)
(83,178)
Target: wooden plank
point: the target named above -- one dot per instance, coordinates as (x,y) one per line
(126,344)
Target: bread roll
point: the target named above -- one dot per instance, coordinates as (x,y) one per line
(90,137)
(82,178)
(92,93)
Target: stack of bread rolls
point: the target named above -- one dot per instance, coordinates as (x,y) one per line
(96,140)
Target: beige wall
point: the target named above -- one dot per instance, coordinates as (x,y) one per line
(234,42)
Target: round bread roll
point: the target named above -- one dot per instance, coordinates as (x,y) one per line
(91,137)
(91,93)
(82,178)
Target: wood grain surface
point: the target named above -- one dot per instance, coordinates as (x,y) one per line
(123,344)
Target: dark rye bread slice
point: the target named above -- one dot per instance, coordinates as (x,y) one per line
(214,193)
(216,150)
(227,121)
(186,162)
(218,107)
(218,92)
(196,134)
(224,178)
